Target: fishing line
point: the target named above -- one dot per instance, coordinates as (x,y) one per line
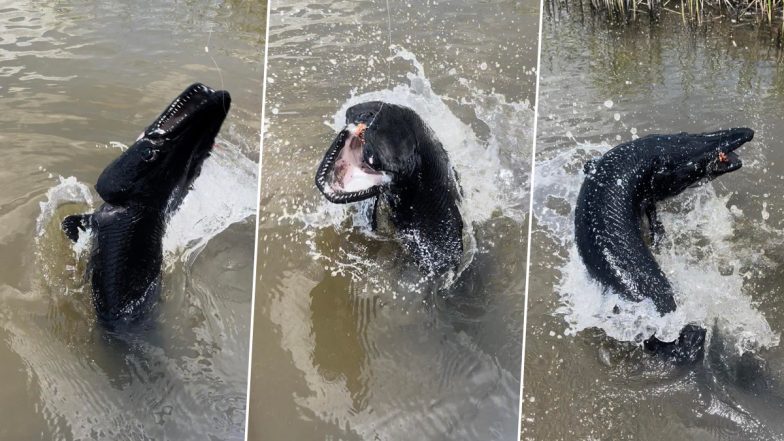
(215,63)
(389,61)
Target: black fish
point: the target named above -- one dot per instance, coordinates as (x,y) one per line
(623,186)
(141,189)
(386,151)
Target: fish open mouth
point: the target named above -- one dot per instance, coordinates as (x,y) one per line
(726,162)
(343,175)
(196,100)
(725,159)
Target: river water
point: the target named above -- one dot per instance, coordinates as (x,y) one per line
(350,341)
(77,82)
(724,248)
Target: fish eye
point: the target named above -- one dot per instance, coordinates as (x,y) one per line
(149,154)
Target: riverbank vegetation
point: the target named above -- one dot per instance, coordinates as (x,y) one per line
(768,12)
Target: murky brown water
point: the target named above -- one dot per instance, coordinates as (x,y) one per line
(76,77)
(349,342)
(725,246)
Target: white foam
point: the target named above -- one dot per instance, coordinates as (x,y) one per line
(697,256)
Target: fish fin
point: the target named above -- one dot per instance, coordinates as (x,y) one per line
(72,224)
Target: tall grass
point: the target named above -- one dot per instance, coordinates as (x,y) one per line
(769,11)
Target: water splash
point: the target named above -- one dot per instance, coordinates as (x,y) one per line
(698,256)
(68,191)
(224,194)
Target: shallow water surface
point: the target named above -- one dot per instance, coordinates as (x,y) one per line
(78,81)
(585,375)
(350,340)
